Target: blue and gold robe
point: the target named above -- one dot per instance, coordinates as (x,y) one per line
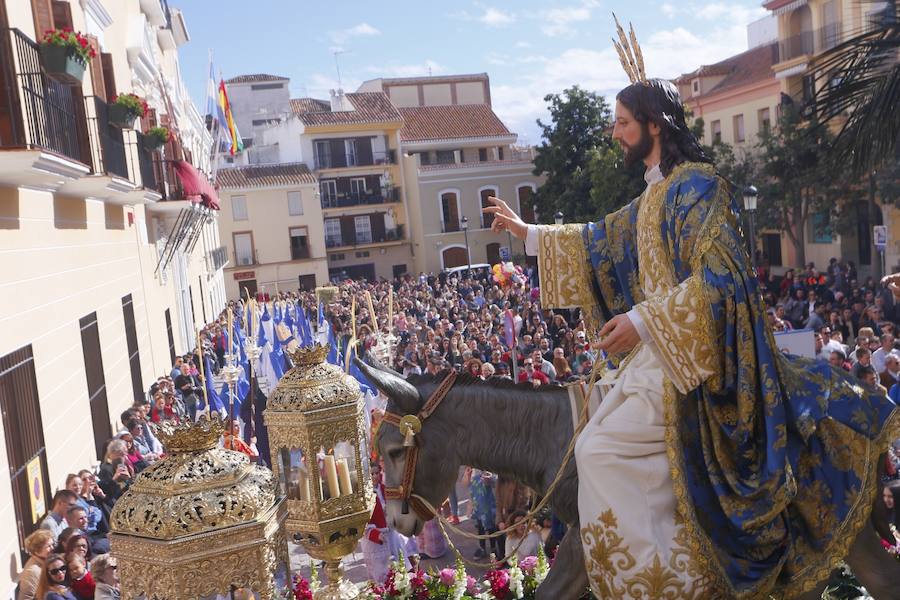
(773,458)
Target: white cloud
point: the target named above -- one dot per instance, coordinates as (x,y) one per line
(522,45)
(487,15)
(559,21)
(668,10)
(361,30)
(428,67)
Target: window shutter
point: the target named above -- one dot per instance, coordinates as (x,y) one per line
(62,14)
(109,74)
(43,17)
(97,78)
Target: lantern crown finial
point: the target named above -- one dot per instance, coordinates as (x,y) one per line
(311,355)
(190,437)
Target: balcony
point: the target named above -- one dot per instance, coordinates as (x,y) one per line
(167,182)
(43,129)
(246,259)
(808,43)
(217,258)
(144,153)
(361,198)
(363,238)
(351,160)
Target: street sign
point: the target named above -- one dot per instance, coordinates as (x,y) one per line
(880,232)
(504,253)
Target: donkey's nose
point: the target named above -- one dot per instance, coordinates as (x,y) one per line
(404,510)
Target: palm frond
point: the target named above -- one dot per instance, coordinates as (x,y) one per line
(859,81)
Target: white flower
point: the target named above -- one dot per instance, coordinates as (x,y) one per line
(542,568)
(516,578)
(459,582)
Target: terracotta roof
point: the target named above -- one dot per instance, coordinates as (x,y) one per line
(264,176)
(434,79)
(450,122)
(744,68)
(255,78)
(369,107)
(305,105)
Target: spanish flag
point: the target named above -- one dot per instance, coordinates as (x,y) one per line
(225,107)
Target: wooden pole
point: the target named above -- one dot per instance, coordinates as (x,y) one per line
(203,373)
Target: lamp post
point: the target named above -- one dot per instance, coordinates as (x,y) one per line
(751,195)
(558,217)
(465,227)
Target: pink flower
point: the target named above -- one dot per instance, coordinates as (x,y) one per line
(528,564)
(448,576)
(471,585)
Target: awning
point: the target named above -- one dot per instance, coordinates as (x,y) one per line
(196,187)
(780,7)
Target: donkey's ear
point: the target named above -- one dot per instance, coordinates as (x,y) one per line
(393,386)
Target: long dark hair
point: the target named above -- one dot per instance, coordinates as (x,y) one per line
(657,101)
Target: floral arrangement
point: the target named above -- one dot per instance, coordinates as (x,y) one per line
(517,582)
(893,549)
(302,588)
(73,40)
(157,136)
(134,104)
(506,273)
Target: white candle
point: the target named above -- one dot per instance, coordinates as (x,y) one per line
(303,483)
(331,476)
(344,477)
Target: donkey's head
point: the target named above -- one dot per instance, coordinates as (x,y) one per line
(437,464)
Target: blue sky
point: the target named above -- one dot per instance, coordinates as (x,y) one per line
(528,47)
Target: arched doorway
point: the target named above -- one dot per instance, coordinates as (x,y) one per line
(485,193)
(454,256)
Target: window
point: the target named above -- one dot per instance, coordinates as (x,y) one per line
(358,188)
(323,154)
(445,157)
(363,254)
(425,158)
(307,282)
(299,243)
(399,270)
(259,122)
(482,155)
(131,342)
(499,152)
(352,152)
(716,129)
(239,208)
(25,450)
(695,86)
(526,203)
(363,226)
(820,228)
(169,335)
(328,193)
(333,232)
(738,121)
(336,257)
(450,211)
(295,204)
(96,381)
(487,219)
(266,86)
(243,248)
(765,123)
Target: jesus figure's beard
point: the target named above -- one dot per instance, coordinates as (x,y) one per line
(640,151)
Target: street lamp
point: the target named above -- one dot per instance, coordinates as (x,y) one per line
(558,217)
(751,195)
(465,228)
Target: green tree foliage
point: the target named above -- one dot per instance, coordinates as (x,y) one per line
(577,155)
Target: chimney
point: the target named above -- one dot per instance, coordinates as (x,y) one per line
(339,101)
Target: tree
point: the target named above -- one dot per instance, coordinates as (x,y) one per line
(799,189)
(612,184)
(576,144)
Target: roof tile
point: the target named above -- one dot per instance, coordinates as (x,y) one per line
(369,108)
(744,68)
(254,176)
(450,122)
(255,78)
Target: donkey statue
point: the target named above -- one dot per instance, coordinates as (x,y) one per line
(521,432)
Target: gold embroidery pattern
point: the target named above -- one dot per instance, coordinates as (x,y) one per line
(608,561)
(564,268)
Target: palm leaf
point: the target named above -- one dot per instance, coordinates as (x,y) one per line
(859,80)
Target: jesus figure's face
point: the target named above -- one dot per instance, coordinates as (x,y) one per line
(635,137)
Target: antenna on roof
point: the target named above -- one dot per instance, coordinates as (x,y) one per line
(429,70)
(337,65)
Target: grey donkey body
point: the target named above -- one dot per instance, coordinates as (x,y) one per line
(522,433)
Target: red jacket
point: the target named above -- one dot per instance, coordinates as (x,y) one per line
(535,374)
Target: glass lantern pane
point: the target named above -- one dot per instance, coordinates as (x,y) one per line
(296,472)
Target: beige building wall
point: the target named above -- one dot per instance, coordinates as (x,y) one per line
(471,92)
(437,94)
(405,95)
(269,222)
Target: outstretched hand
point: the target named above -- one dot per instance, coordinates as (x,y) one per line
(892,282)
(505,219)
(618,335)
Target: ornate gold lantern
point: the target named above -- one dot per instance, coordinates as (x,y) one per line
(317,432)
(200,522)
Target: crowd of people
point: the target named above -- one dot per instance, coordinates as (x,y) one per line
(464,321)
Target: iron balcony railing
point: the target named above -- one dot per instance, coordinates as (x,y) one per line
(167,182)
(361,198)
(107,141)
(42,113)
(363,238)
(352,159)
(145,151)
(809,42)
(217,258)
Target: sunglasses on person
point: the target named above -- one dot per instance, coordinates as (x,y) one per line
(57,570)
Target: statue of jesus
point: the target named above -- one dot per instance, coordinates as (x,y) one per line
(715,465)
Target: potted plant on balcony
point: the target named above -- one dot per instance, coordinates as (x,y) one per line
(156,137)
(125,108)
(65,54)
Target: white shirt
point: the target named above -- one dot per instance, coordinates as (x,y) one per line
(652,176)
